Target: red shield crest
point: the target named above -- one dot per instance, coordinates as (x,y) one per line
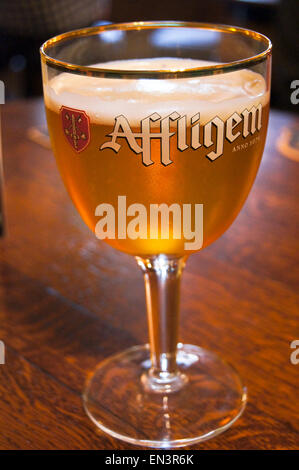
(75,124)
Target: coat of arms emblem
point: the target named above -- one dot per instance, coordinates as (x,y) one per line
(75,125)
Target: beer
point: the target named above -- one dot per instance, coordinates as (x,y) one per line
(210,134)
(159,155)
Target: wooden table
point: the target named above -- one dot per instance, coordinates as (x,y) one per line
(68,301)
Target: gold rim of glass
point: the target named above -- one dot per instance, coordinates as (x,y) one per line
(158,74)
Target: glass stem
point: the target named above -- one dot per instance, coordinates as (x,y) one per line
(162,276)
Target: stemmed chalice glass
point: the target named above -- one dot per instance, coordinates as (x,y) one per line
(158,129)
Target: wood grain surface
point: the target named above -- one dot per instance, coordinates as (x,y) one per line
(67,301)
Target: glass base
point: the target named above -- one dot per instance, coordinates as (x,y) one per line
(210,401)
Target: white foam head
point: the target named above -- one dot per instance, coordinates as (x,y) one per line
(105,98)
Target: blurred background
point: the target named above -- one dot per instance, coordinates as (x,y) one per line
(25,24)
(68,301)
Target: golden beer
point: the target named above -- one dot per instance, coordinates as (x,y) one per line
(94,175)
(158,155)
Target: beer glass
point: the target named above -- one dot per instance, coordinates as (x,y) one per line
(158,129)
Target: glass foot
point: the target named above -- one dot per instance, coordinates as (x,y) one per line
(208,403)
